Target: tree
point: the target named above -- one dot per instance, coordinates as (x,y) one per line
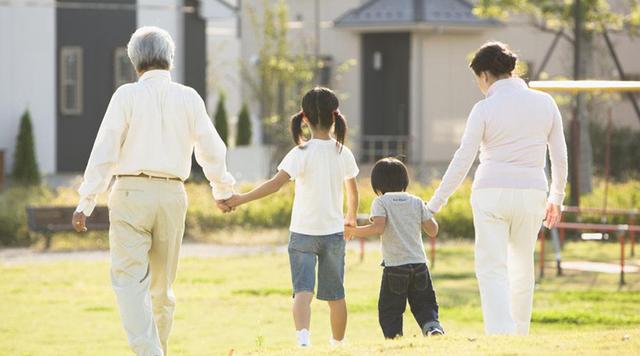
(585,18)
(220,120)
(25,166)
(243,136)
(282,72)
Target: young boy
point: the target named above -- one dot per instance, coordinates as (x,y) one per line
(399,217)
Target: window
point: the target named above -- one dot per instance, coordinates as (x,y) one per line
(122,68)
(71,80)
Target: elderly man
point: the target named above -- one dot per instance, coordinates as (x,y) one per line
(146,139)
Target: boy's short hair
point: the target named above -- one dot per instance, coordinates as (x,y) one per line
(389,175)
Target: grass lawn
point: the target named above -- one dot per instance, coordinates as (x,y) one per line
(243,304)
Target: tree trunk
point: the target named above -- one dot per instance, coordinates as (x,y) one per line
(585,165)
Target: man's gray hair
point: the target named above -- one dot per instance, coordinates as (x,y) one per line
(151,47)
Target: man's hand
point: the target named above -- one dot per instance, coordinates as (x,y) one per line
(79,222)
(223,207)
(552,215)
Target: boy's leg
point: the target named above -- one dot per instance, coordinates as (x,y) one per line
(331,281)
(392,301)
(422,300)
(338,310)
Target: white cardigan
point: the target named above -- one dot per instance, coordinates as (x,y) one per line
(512,128)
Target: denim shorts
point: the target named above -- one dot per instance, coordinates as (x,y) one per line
(328,250)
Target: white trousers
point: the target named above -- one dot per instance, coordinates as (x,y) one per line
(506,224)
(147,224)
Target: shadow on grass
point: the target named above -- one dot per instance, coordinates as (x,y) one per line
(262,292)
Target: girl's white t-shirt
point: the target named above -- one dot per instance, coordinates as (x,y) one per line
(319,169)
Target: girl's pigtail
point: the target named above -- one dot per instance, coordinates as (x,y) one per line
(340,128)
(296,127)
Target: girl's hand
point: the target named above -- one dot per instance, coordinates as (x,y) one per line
(552,215)
(234,201)
(348,232)
(351,221)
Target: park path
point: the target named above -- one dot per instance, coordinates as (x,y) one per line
(17,256)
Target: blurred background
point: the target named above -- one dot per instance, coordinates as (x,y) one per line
(400,68)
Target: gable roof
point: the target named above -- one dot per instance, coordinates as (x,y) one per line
(413,14)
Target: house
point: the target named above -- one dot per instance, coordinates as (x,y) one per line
(63,59)
(412,90)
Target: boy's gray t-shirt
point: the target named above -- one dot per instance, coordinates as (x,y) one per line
(401,240)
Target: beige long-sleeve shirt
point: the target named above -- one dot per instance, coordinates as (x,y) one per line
(153,126)
(512,128)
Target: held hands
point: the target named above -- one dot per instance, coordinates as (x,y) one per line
(229,205)
(79,222)
(552,215)
(350,223)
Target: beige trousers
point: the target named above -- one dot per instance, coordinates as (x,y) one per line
(506,222)
(147,224)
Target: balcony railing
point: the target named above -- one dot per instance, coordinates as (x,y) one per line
(375,147)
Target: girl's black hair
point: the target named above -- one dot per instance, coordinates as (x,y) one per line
(495,57)
(389,175)
(320,107)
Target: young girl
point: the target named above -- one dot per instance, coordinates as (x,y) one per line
(320,167)
(398,218)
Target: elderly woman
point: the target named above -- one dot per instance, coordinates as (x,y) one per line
(146,141)
(512,128)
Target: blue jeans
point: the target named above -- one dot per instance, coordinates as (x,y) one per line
(328,251)
(410,282)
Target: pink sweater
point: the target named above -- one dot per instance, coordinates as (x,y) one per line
(512,128)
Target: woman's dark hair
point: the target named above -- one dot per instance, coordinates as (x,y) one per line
(494,57)
(320,107)
(389,175)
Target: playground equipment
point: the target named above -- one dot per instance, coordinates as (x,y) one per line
(558,234)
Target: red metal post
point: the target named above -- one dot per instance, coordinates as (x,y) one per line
(541,238)
(621,237)
(433,250)
(632,235)
(561,230)
(607,160)
(361,249)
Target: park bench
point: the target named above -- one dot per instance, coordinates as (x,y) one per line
(48,220)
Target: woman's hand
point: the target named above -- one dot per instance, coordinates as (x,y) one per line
(552,215)
(79,222)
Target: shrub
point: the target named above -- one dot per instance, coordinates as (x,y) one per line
(455,219)
(25,166)
(220,120)
(625,151)
(243,137)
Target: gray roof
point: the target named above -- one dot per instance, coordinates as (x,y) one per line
(381,13)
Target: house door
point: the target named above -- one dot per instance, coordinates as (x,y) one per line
(385,83)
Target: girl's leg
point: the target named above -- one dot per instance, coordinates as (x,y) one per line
(302,310)
(338,311)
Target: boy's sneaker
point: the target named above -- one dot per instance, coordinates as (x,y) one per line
(304,338)
(432,328)
(435,332)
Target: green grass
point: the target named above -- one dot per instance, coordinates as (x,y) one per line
(243,304)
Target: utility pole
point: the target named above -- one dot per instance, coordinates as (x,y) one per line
(316,48)
(575,123)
